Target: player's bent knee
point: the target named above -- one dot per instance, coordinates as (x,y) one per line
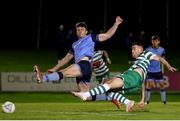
(115,83)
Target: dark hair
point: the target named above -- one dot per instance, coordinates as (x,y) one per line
(137,43)
(154,37)
(81,24)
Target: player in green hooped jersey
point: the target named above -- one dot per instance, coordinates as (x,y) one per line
(129,81)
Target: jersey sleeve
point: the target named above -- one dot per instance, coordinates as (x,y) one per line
(71,51)
(163,53)
(149,55)
(95,38)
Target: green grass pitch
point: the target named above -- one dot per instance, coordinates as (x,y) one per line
(64,106)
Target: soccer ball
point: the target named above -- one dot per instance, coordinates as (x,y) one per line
(8,107)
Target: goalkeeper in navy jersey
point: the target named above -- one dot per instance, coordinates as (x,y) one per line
(82,51)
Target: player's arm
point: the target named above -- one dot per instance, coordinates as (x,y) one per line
(106,56)
(162,66)
(141,103)
(111,31)
(163,61)
(62,62)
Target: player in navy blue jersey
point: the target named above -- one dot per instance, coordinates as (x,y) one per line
(155,73)
(82,50)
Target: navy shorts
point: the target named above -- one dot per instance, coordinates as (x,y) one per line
(154,76)
(86,72)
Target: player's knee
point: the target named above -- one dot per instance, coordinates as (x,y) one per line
(161,85)
(150,84)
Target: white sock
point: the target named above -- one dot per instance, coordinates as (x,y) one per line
(86,94)
(110,95)
(126,101)
(106,86)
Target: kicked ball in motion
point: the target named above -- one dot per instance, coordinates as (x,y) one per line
(8,107)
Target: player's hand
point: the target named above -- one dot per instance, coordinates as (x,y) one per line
(118,20)
(172,69)
(141,104)
(108,61)
(50,71)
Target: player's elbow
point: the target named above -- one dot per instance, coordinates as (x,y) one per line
(104,37)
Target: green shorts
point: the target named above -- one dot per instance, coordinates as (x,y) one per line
(132,81)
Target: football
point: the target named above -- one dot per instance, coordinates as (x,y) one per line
(8,107)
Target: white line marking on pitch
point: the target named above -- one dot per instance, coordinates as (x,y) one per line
(83,113)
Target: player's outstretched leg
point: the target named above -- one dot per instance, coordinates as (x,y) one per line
(55,76)
(80,95)
(39,76)
(101,89)
(129,106)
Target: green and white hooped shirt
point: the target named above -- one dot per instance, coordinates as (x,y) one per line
(143,62)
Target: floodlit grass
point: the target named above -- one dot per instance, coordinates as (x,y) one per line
(23,60)
(63,106)
(91,111)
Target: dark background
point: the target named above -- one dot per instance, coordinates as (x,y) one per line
(22,20)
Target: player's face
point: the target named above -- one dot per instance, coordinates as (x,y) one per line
(81,32)
(136,51)
(155,43)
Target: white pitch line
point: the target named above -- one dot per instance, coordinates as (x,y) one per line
(85,113)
